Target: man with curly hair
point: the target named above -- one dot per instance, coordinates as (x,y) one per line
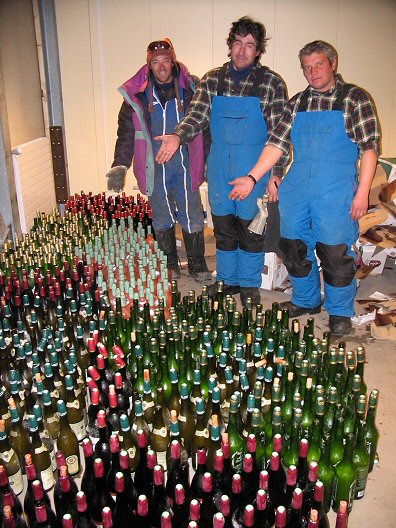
(241,102)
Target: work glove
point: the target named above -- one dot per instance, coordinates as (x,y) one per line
(116,178)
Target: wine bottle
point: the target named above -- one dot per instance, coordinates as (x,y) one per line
(178,472)
(262,513)
(310,487)
(101,497)
(295,515)
(75,414)
(87,481)
(317,505)
(361,461)
(180,507)
(83,518)
(45,435)
(43,520)
(40,498)
(18,437)
(123,512)
(202,468)
(41,456)
(276,481)
(28,503)
(115,464)
(102,447)
(280,517)
(235,439)
(129,485)
(342,515)
(158,502)
(11,519)
(67,441)
(208,507)
(10,461)
(128,441)
(372,433)
(142,512)
(65,496)
(345,477)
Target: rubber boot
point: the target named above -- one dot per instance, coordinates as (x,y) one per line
(195,249)
(167,243)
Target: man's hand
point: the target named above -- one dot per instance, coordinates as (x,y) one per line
(170,143)
(359,206)
(243,186)
(272,188)
(116,178)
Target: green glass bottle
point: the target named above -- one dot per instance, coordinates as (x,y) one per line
(148,402)
(345,477)
(235,439)
(361,460)
(291,455)
(361,360)
(328,419)
(201,438)
(315,447)
(174,400)
(186,419)
(337,446)
(326,473)
(308,415)
(372,433)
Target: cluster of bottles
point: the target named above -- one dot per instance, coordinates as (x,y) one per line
(112,207)
(187,373)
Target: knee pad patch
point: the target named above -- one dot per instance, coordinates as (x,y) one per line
(295,253)
(338,266)
(250,242)
(226,233)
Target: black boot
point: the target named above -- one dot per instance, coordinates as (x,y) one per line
(167,243)
(195,249)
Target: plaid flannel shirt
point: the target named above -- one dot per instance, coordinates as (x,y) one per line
(273,100)
(361,122)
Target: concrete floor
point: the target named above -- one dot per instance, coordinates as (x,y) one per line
(375,509)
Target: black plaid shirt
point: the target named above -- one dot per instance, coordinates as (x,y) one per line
(273,100)
(361,122)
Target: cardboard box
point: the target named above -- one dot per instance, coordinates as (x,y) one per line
(275,272)
(374,256)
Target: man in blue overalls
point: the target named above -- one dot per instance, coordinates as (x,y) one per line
(155,99)
(241,102)
(331,124)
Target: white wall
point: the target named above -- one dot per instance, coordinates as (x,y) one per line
(103,42)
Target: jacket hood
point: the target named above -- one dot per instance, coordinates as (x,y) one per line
(138,83)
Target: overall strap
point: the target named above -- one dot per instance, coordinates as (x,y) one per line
(337,105)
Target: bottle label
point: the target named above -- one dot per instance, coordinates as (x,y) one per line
(73,405)
(222,386)
(182,418)
(361,481)
(237,460)
(16,482)
(79,429)
(160,432)
(58,383)
(132,452)
(202,433)
(55,394)
(72,464)
(54,465)
(40,449)
(147,404)
(47,477)
(161,459)
(14,434)
(6,455)
(22,395)
(6,416)
(52,419)
(225,404)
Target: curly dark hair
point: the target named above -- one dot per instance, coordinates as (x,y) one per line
(243,27)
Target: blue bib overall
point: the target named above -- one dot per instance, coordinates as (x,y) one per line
(239,133)
(315,199)
(172,198)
